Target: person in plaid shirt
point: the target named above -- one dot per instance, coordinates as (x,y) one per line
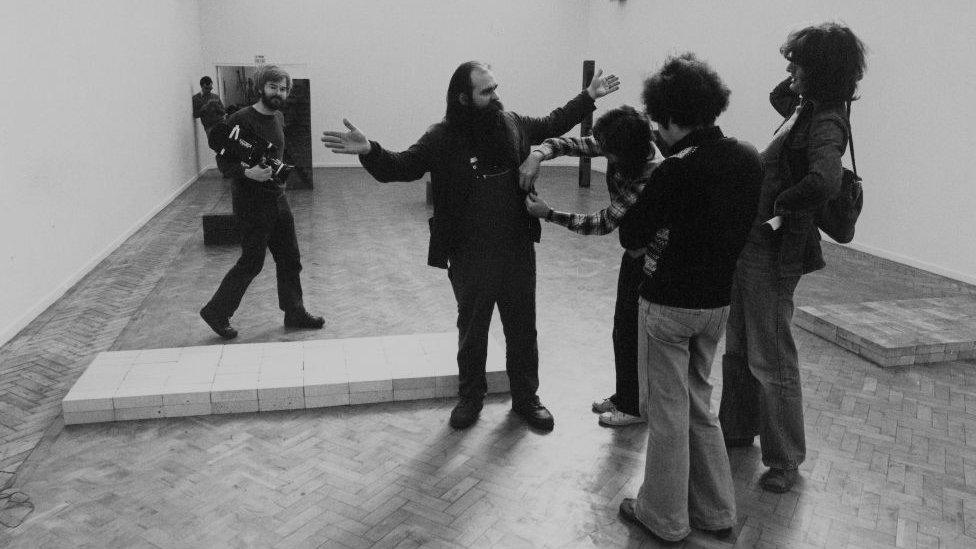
(624,137)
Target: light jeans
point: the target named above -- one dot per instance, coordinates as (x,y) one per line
(687,478)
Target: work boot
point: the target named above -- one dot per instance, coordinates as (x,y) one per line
(534,413)
(299,318)
(220,325)
(465,413)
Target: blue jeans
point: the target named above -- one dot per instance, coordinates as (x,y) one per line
(761,391)
(687,478)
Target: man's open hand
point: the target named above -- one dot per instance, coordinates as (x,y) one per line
(602,85)
(350,142)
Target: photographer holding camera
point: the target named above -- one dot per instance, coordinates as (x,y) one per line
(263,215)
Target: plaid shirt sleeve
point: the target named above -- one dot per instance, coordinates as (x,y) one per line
(607,219)
(569,146)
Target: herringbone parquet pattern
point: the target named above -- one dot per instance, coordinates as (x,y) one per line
(892,452)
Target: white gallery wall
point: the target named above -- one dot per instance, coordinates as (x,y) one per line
(95,136)
(912,128)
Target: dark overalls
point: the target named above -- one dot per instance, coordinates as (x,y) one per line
(495,264)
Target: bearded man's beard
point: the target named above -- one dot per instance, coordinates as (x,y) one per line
(480,119)
(485,127)
(273,102)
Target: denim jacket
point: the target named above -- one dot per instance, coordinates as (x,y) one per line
(808,172)
(811,166)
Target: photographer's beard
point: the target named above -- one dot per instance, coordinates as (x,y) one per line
(272,102)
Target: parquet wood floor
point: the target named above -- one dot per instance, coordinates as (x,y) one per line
(892,452)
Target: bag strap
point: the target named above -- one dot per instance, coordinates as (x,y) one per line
(850,138)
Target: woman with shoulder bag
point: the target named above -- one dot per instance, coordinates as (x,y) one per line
(761,392)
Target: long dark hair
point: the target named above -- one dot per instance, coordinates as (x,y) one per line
(625,133)
(832,58)
(460,83)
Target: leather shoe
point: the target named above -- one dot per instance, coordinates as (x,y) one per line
(534,413)
(465,413)
(300,318)
(220,325)
(723,533)
(778,480)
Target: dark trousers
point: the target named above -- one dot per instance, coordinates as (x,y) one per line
(479,283)
(266,223)
(625,314)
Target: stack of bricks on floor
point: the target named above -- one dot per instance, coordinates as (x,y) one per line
(898,333)
(259,377)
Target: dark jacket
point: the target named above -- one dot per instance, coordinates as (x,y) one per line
(447,158)
(705,199)
(808,173)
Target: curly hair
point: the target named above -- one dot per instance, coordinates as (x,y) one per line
(269,73)
(625,133)
(686,91)
(832,58)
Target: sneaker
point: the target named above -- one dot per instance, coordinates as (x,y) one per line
(534,413)
(220,325)
(465,413)
(601,406)
(778,480)
(301,319)
(616,418)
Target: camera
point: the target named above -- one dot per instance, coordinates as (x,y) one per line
(239,144)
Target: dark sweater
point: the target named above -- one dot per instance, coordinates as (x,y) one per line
(267,126)
(707,199)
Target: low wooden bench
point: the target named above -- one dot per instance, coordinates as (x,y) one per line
(220,225)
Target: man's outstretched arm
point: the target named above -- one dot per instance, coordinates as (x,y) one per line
(564,118)
(383,165)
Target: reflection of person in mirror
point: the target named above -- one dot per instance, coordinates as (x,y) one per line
(480,231)
(206,105)
(263,215)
